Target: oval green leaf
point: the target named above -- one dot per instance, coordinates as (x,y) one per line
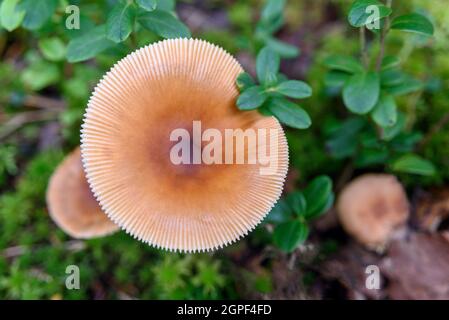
(317,195)
(289,113)
(281,212)
(267,66)
(88,45)
(297,203)
(412,163)
(343,63)
(413,22)
(289,235)
(10,15)
(361,13)
(244,81)
(38,12)
(385,112)
(120,22)
(164,24)
(294,89)
(251,98)
(52,49)
(408,85)
(285,50)
(361,92)
(390,62)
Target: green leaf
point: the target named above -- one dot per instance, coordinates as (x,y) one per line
(120,22)
(38,12)
(40,75)
(361,92)
(297,203)
(407,86)
(251,98)
(413,22)
(336,78)
(148,5)
(244,81)
(88,45)
(164,24)
(412,163)
(390,62)
(350,127)
(406,142)
(281,212)
(265,28)
(285,50)
(294,89)
(369,157)
(317,196)
(392,77)
(289,235)
(166,5)
(343,63)
(267,66)
(389,133)
(52,49)
(342,144)
(10,15)
(359,13)
(289,113)
(385,112)
(272,9)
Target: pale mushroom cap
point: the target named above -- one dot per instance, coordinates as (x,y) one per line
(371,207)
(72,205)
(126,146)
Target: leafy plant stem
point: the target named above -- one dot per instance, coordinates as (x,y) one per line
(383,36)
(364,48)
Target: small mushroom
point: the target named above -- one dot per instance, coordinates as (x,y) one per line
(72,205)
(372,207)
(126,146)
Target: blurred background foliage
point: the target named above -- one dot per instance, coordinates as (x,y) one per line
(43,97)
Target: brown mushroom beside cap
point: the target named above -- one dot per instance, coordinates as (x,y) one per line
(126,146)
(72,205)
(372,207)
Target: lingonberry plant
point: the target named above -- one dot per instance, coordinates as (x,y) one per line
(370,86)
(125,18)
(292,215)
(263,34)
(272,94)
(87,37)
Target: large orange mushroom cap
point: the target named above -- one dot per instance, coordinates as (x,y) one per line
(72,205)
(126,148)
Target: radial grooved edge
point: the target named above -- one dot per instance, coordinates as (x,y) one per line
(126,148)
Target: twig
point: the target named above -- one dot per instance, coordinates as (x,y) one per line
(292,260)
(43,102)
(12,252)
(23,118)
(382,38)
(435,128)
